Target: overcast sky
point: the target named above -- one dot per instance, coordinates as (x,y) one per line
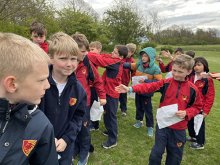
(192,13)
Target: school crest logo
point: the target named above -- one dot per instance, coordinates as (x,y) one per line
(28,146)
(201,85)
(179,144)
(72,101)
(84,71)
(184,97)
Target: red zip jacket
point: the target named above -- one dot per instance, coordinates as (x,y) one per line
(165,68)
(44,46)
(126,75)
(113,73)
(207,92)
(82,74)
(183,93)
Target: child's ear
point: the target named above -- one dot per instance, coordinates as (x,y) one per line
(10,84)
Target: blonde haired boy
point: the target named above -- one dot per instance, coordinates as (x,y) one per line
(65,102)
(23,81)
(95,47)
(178,91)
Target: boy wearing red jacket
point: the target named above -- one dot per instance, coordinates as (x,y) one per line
(176,90)
(38,35)
(87,74)
(111,78)
(126,77)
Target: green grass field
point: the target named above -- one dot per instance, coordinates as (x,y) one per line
(134,146)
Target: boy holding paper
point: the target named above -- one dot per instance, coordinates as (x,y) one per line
(176,90)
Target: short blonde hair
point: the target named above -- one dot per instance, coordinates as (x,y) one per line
(96,44)
(62,43)
(18,56)
(81,40)
(131,47)
(184,61)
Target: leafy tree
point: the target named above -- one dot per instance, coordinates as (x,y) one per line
(124,23)
(71,21)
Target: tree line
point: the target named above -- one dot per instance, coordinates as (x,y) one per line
(120,23)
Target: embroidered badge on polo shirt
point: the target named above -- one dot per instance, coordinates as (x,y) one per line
(28,146)
(72,101)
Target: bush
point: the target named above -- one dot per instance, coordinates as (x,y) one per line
(167,48)
(149,44)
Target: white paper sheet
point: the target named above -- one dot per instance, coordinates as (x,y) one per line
(136,79)
(166,116)
(197,123)
(96,111)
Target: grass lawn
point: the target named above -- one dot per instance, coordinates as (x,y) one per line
(134,146)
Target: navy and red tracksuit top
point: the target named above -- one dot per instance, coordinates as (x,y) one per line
(66,111)
(207,92)
(82,73)
(113,73)
(126,75)
(183,93)
(165,68)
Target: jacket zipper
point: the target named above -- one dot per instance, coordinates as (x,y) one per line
(178,89)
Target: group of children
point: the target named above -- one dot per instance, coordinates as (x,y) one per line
(65,92)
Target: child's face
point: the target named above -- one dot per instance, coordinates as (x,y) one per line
(145,58)
(32,88)
(199,67)
(115,53)
(64,65)
(179,74)
(83,53)
(38,39)
(94,50)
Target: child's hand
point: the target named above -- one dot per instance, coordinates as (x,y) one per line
(60,145)
(181,114)
(166,54)
(215,75)
(85,123)
(102,101)
(204,114)
(141,80)
(158,59)
(205,75)
(122,88)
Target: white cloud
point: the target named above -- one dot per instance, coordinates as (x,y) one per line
(194,13)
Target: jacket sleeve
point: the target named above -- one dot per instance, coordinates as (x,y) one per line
(45,152)
(147,87)
(209,97)
(75,123)
(196,107)
(98,83)
(102,60)
(164,68)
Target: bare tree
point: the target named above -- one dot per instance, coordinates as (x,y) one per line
(82,6)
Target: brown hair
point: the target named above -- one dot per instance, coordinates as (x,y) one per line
(81,40)
(38,28)
(184,61)
(96,44)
